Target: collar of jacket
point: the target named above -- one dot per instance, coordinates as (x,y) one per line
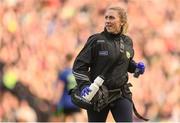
(111,35)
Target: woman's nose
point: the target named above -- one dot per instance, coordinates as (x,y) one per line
(108,21)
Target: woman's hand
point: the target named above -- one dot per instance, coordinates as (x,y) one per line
(141,67)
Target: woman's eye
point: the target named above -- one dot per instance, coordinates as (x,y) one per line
(110,17)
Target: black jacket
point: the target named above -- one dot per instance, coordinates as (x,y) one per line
(99,52)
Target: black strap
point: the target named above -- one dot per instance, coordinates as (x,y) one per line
(130,99)
(135,111)
(137,114)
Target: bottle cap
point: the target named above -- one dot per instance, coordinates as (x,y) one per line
(99,81)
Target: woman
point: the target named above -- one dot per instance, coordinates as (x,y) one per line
(101,49)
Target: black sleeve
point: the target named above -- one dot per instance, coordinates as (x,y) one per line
(132,66)
(82,63)
(132,63)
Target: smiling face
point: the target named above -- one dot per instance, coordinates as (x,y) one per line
(112,21)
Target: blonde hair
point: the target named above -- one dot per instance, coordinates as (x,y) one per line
(123,17)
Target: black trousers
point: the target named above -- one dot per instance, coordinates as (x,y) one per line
(121,110)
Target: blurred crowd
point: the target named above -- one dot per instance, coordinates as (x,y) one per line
(36,35)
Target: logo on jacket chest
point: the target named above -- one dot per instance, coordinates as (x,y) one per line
(124,50)
(103,53)
(128,55)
